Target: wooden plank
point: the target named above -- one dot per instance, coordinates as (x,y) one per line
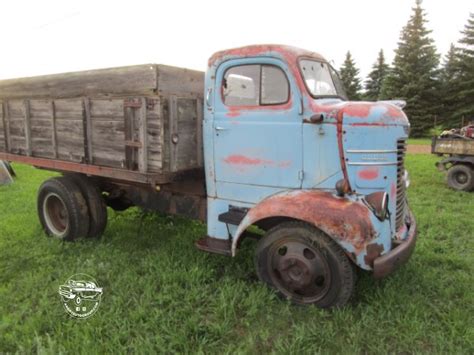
(174,80)
(199,149)
(128,121)
(26,104)
(118,174)
(142,134)
(54,137)
(132,80)
(2,129)
(173,132)
(6,126)
(87,131)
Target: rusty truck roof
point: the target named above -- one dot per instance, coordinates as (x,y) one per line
(287,52)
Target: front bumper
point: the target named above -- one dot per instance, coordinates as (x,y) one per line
(388,263)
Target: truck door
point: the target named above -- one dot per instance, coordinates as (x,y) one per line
(257,125)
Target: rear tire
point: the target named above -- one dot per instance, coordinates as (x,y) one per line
(305,265)
(95,204)
(62,209)
(461,177)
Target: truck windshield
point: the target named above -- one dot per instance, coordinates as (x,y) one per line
(321,79)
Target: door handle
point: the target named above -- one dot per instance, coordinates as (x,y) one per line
(219,128)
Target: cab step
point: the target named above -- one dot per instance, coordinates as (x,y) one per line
(234,216)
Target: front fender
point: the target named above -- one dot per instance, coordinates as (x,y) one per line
(344,220)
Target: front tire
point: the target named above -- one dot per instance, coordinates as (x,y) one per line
(62,209)
(461,177)
(305,265)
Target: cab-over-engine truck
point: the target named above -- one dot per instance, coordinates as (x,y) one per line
(265,140)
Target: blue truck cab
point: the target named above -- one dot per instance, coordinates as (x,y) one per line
(322,176)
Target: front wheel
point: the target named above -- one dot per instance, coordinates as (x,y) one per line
(461,177)
(305,265)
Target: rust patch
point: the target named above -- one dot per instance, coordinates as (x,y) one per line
(368,174)
(373,252)
(361,110)
(338,217)
(340,145)
(243,160)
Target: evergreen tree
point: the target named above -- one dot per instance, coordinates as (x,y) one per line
(373,84)
(350,78)
(414,74)
(450,79)
(465,80)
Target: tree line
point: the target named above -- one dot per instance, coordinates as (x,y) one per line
(440,95)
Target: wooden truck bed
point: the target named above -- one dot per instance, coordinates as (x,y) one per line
(453,146)
(139,124)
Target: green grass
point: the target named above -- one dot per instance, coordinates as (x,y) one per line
(161,294)
(419,141)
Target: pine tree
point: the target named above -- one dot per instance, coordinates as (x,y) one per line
(450,80)
(414,76)
(465,80)
(373,84)
(350,78)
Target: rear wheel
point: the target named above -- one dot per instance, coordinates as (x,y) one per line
(305,265)
(62,209)
(461,177)
(95,204)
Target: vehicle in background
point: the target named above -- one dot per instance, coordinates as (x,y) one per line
(457,147)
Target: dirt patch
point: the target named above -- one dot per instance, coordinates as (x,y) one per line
(419,149)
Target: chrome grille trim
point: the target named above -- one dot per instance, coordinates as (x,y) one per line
(401,189)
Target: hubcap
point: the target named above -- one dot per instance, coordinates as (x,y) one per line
(55,215)
(461,178)
(299,270)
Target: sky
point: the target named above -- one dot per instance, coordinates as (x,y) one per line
(49,36)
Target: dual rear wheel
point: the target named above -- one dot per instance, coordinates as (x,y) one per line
(71,207)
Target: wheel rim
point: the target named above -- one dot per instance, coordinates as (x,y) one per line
(461,178)
(299,270)
(55,215)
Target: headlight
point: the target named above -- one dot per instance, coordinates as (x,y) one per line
(406,177)
(378,203)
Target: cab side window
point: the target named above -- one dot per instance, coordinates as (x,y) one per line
(255,85)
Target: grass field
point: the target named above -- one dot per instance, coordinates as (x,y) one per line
(161,294)
(419,141)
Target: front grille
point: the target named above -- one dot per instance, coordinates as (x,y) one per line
(401,189)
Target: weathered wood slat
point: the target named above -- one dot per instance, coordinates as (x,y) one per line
(6,123)
(27,127)
(124,80)
(142,134)
(54,137)
(88,131)
(173,132)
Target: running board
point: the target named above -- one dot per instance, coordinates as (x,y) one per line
(214,245)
